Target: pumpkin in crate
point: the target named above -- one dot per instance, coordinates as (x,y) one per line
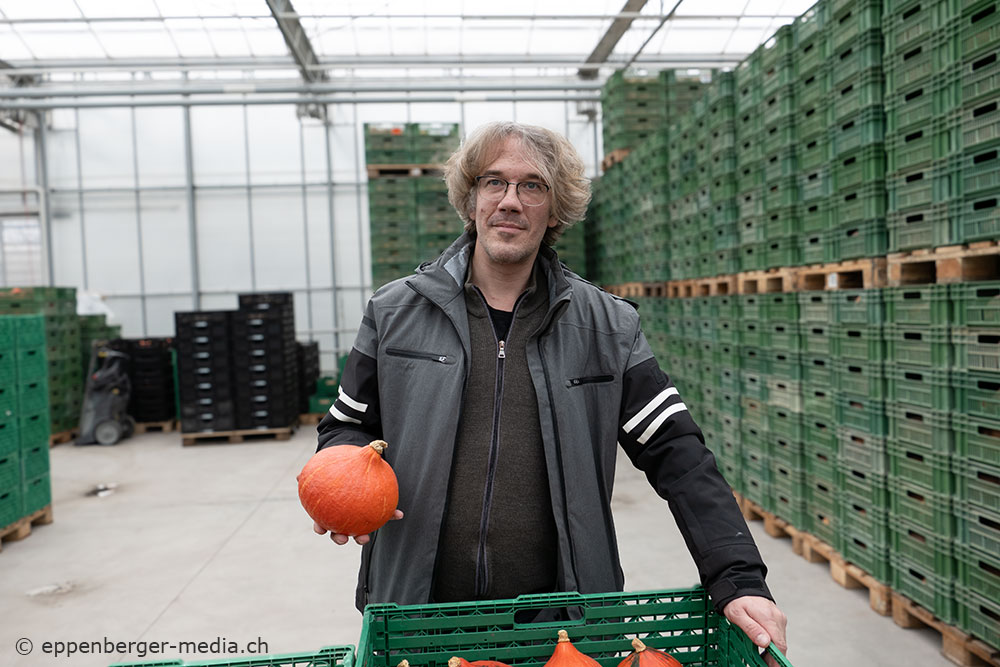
(643,656)
(567,655)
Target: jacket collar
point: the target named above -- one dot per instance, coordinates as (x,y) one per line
(443,280)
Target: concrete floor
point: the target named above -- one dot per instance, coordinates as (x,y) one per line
(208,542)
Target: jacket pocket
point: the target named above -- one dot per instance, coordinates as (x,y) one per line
(416,354)
(589,379)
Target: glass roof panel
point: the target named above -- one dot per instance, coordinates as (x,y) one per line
(190,38)
(52,9)
(135,39)
(57,41)
(115,8)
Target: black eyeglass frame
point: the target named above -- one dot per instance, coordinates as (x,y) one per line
(517,188)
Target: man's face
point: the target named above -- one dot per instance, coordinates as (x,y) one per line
(507,231)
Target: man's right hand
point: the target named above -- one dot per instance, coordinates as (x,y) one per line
(342,539)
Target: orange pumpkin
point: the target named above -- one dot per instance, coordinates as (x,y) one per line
(462,662)
(643,656)
(567,655)
(348,489)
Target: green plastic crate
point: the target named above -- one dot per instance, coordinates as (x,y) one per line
(930,429)
(925,469)
(818,339)
(859,342)
(850,58)
(753,385)
(977,527)
(978,571)
(681,622)
(862,129)
(979,170)
(922,305)
(783,336)
(978,484)
(862,414)
(819,402)
(927,510)
(977,439)
(867,239)
(851,170)
(919,387)
(861,450)
(918,345)
(331,656)
(977,350)
(11,505)
(861,551)
(786,364)
(926,227)
(859,205)
(980,77)
(784,393)
(920,584)
(977,615)
(812,124)
(860,378)
(979,217)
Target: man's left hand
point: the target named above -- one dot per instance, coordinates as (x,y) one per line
(761,620)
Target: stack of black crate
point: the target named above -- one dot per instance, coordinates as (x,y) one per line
(204,371)
(151,374)
(308,358)
(265,361)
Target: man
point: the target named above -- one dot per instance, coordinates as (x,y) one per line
(503,383)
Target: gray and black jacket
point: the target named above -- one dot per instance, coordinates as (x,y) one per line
(597,386)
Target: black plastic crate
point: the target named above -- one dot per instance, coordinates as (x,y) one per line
(214,322)
(266,301)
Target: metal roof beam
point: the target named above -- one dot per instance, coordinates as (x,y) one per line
(610,39)
(296,40)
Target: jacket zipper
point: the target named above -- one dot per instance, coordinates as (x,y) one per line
(482,567)
(409,354)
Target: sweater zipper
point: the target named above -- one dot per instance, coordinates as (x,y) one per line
(482,567)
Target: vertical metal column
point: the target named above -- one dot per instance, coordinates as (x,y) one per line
(327,125)
(138,223)
(42,165)
(246,154)
(305,228)
(357,196)
(79,194)
(192,215)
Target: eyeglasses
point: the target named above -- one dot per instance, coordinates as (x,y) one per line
(530,193)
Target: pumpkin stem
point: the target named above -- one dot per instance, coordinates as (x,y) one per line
(379,446)
(403,663)
(454,661)
(638,645)
(563,636)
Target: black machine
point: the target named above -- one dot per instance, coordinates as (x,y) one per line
(104,419)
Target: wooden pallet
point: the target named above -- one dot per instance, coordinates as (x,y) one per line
(166,426)
(628,290)
(957,646)
(237,436)
(311,418)
(853,274)
(949,264)
(847,574)
(63,437)
(761,282)
(773,525)
(614,157)
(716,286)
(385,170)
(21,528)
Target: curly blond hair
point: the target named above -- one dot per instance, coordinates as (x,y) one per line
(549,153)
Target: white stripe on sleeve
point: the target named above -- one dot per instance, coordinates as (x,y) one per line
(648,433)
(350,402)
(648,410)
(341,416)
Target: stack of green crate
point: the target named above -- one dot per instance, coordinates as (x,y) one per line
(683,88)
(754,412)
(633,107)
(812,126)
(723,256)
(325,394)
(725,382)
(646,210)
(392,214)
(857,134)
(62,345)
(783,373)
(24,417)
(433,143)
(94,328)
(438,223)
(976,383)
(388,143)
(922,77)
(863,456)
(593,223)
(703,388)
(817,313)
(749,159)
(572,248)
(978,171)
(780,203)
(682,173)
(921,445)
(606,246)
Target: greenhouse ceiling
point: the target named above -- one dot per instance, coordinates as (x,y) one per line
(52,51)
